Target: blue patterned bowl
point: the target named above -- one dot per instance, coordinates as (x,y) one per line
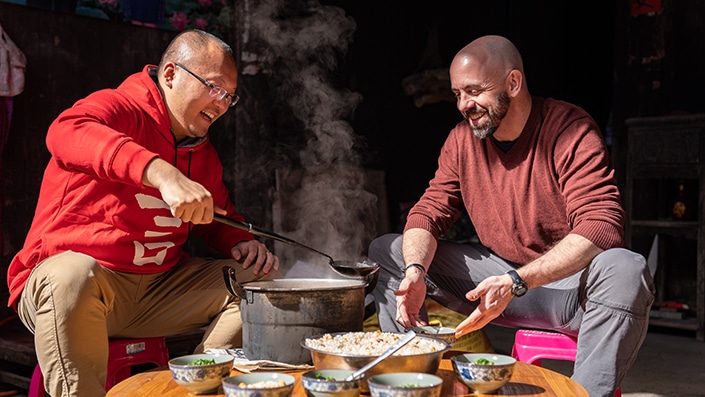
(330,383)
(259,384)
(481,377)
(405,384)
(200,378)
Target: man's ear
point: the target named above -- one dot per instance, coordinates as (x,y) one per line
(168,70)
(515,80)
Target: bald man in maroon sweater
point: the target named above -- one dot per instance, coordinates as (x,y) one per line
(535,178)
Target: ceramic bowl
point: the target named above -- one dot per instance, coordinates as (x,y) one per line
(330,383)
(445,333)
(259,384)
(200,378)
(481,377)
(405,384)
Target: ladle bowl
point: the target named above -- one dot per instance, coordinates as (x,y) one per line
(364,268)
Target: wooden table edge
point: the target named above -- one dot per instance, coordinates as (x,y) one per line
(528,380)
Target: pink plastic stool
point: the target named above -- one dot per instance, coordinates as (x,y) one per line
(122,354)
(530,346)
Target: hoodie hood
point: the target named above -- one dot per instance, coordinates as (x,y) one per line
(142,89)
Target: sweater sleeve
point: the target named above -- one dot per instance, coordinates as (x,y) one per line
(593,202)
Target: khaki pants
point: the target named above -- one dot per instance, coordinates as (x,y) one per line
(73,305)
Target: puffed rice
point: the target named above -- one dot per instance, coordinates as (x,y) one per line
(372,344)
(263,384)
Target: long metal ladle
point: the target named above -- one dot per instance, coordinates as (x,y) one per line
(344,268)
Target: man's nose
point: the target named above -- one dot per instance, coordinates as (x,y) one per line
(223,105)
(465,103)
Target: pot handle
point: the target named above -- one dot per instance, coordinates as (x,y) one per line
(231,283)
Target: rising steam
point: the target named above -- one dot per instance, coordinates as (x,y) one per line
(322,200)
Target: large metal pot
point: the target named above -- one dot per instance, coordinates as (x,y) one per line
(278,314)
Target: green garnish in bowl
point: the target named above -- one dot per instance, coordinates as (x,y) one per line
(203,361)
(320,376)
(483,361)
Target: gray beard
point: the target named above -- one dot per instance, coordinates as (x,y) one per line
(495,119)
(483,132)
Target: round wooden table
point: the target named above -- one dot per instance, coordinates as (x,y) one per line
(527,380)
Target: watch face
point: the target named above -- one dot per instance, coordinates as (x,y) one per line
(518,289)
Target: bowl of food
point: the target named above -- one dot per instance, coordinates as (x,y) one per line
(200,373)
(483,372)
(405,384)
(259,384)
(445,333)
(352,350)
(330,383)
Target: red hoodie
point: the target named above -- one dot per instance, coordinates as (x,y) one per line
(92,199)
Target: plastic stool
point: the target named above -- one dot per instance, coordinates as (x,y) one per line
(530,346)
(122,354)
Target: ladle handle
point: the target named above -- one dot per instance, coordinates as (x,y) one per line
(248,227)
(396,346)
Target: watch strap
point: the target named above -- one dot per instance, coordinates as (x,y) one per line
(417,265)
(519,287)
(515,277)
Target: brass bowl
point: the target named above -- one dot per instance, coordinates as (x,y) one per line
(424,362)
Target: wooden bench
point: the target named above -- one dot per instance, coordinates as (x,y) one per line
(17,357)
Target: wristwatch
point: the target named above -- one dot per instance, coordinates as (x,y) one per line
(519,288)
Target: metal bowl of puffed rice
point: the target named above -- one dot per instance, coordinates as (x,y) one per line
(352,350)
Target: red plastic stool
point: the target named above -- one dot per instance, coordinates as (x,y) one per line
(122,354)
(530,346)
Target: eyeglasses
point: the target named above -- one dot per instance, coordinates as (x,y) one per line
(216,92)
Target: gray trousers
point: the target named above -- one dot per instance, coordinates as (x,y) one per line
(73,305)
(606,305)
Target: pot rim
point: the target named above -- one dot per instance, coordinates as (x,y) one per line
(299,284)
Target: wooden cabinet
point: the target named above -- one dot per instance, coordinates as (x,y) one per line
(662,151)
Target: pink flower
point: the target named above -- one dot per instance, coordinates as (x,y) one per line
(205,3)
(179,20)
(200,23)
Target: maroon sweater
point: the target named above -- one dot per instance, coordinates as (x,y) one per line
(556,179)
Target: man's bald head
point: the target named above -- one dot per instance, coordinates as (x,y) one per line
(496,53)
(199,46)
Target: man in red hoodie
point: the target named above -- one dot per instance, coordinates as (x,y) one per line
(132,176)
(535,178)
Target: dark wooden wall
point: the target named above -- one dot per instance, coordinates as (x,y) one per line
(585,55)
(567,52)
(68,57)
